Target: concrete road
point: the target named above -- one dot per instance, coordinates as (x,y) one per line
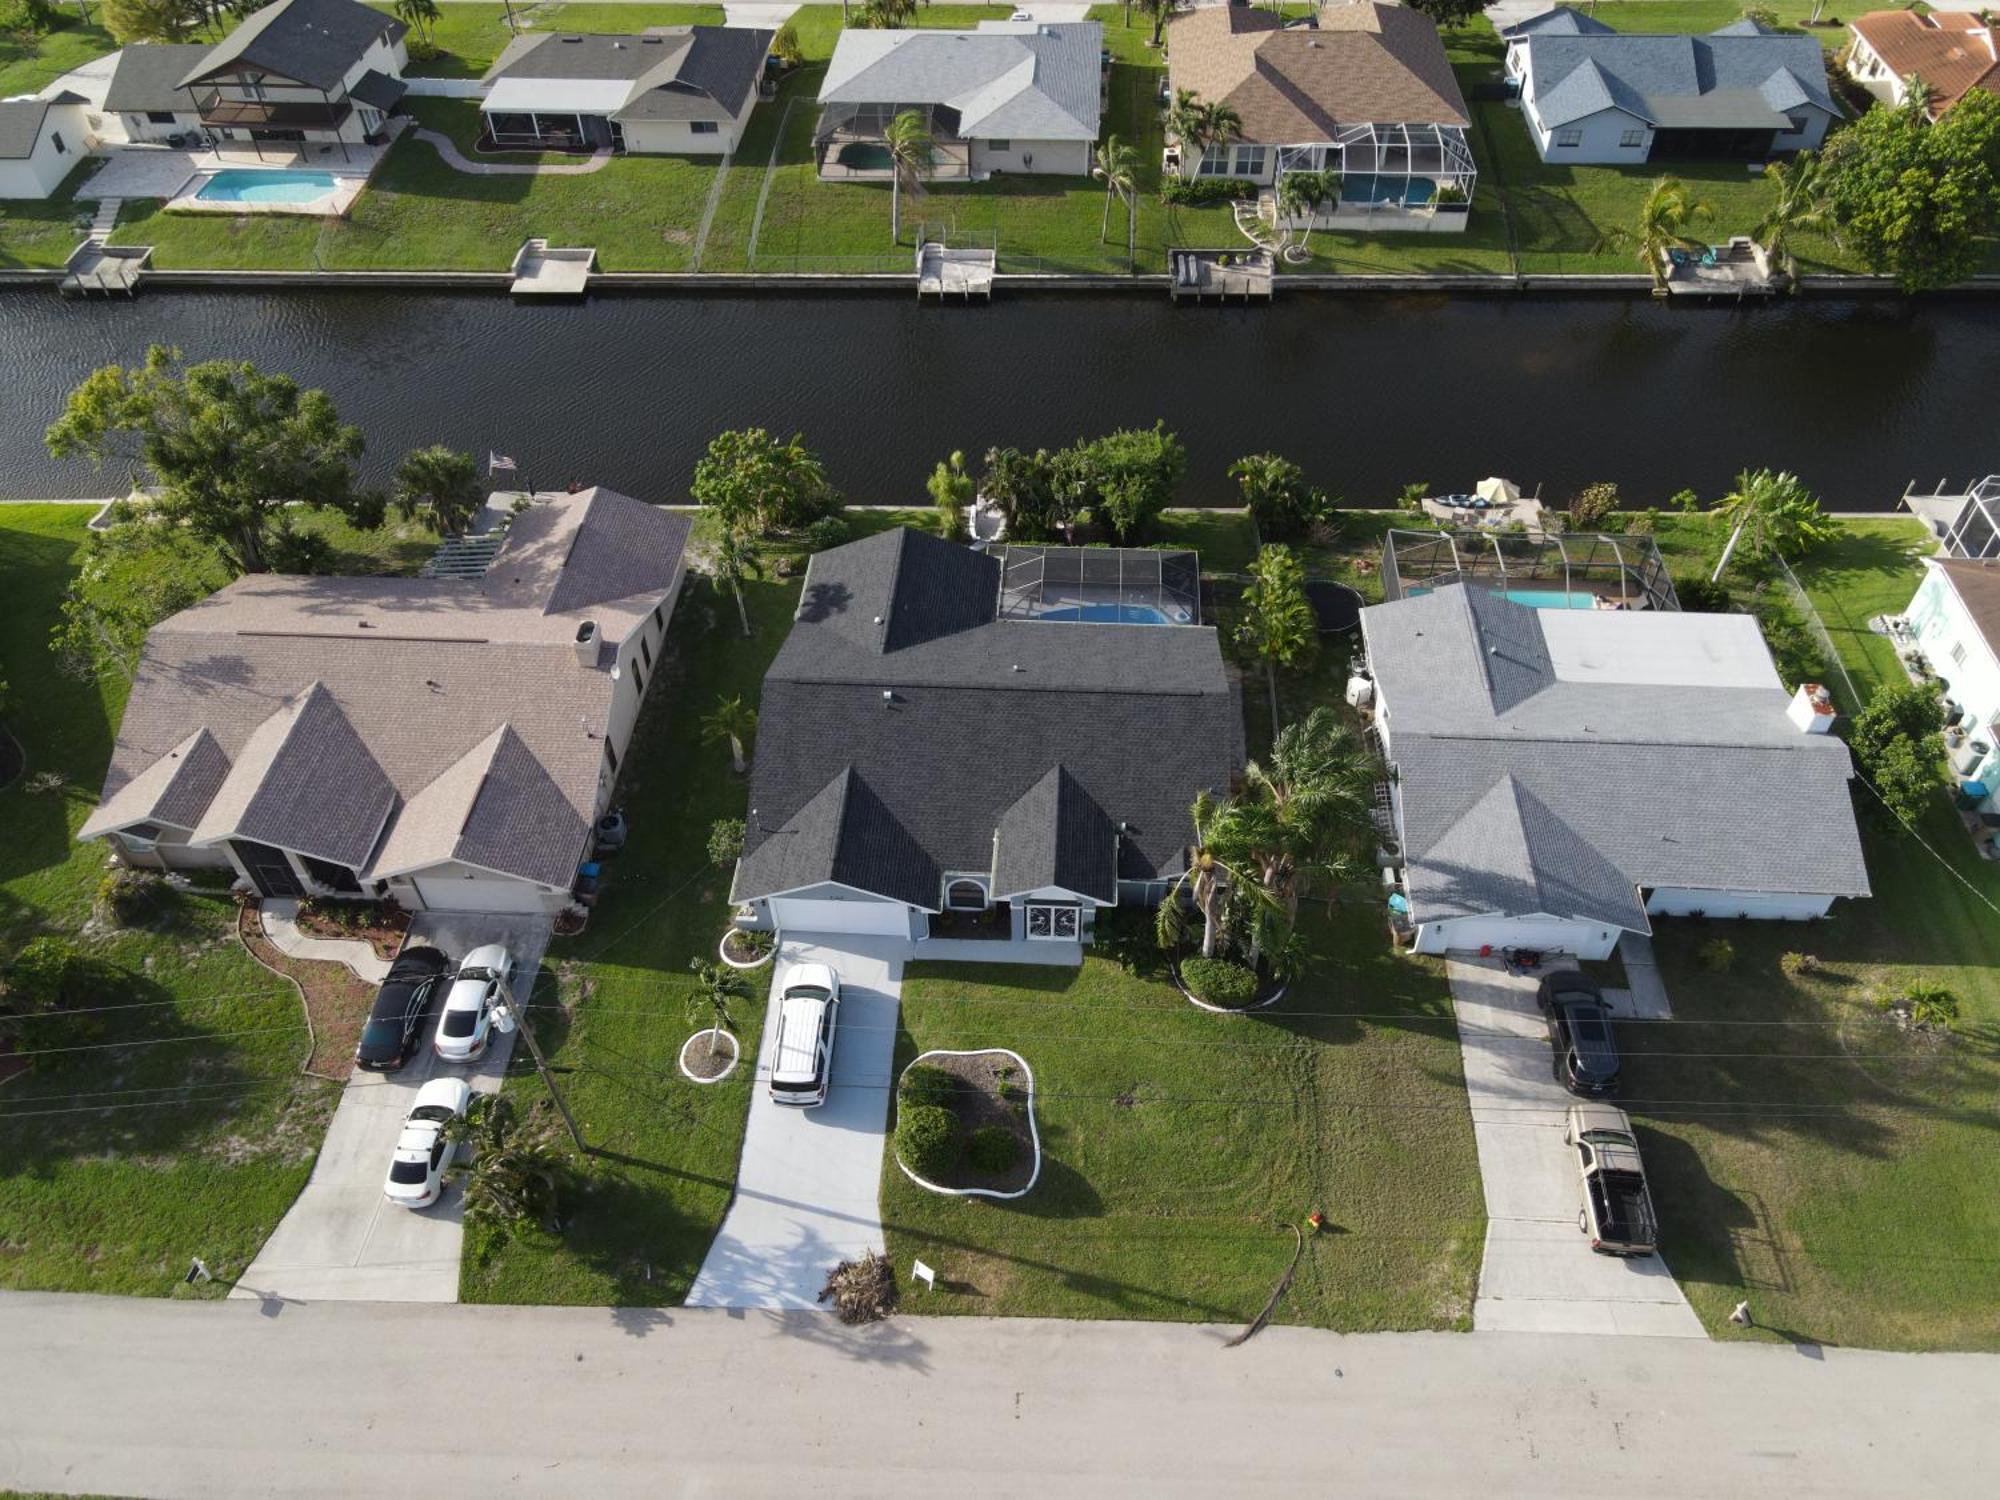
(1538,1274)
(808,1192)
(220,1399)
(341,1239)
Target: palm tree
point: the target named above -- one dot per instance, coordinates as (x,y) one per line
(736,559)
(1117,168)
(1771,512)
(708,1004)
(908,140)
(1662,227)
(733,721)
(441,485)
(1187,122)
(1211,874)
(516,1170)
(1798,203)
(418,15)
(952,489)
(1313,805)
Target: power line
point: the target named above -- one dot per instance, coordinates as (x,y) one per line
(91,1010)
(159,1041)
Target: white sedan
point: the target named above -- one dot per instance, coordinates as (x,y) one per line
(480,985)
(416,1172)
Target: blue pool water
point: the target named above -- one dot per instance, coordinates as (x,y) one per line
(1537,598)
(1367,187)
(254,185)
(1108,614)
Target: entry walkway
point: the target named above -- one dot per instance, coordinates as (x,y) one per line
(458,162)
(808,1192)
(1539,1274)
(281,926)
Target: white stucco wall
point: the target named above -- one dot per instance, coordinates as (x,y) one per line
(40,174)
(1959,653)
(136,127)
(1766,906)
(1050,158)
(1603,138)
(1542,933)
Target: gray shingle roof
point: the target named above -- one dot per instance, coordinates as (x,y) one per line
(20,127)
(313,42)
(149,74)
(1556,761)
(378,89)
(1726,80)
(173,790)
(1005,79)
(1055,835)
(1138,717)
(1561,21)
(676,72)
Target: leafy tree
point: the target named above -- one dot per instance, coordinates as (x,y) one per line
(1798,205)
(1024,486)
(517,1168)
(1126,478)
(1589,506)
(1118,169)
(152,20)
(785,46)
(1906,779)
(132,577)
(1770,514)
(1279,627)
(733,722)
(1897,742)
(441,485)
(951,490)
(225,445)
(42,976)
(1448,12)
(735,559)
(419,15)
(911,151)
(1283,505)
(1918,201)
(1664,218)
(752,482)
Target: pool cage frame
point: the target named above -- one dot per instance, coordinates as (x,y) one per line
(1379,149)
(1622,568)
(1035,580)
(868,124)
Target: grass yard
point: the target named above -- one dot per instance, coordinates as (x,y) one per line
(1177,1145)
(30,63)
(39,233)
(193,1134)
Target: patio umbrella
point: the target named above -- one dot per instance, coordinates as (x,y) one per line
(1499,491)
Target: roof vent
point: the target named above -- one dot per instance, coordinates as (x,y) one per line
(617,46)
(586,643)
(654,41)
(570,39)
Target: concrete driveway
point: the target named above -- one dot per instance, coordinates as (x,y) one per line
(341,1240)
(1539,1274)
(808,1192)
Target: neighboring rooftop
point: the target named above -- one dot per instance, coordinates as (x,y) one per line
(21,126)
(1954,52)
(1741,77)
(148,77)
(1977,584)
(313,42)
(1003,80)
(663,73)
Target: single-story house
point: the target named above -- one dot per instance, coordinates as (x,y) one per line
(687,90)
(1954,619)
(962,744)
(1365,91)
(41,142)
(1952,51)
(1559,777)
(1590,94)
(302,71)
(1966,524)
(445,742)
(1006,96)
(144,100)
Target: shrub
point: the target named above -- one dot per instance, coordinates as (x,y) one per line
(725,842)
(1204,192)
(1411,501)
(1219,981)
(1589,506)
(993,1148)
(927,1140)
(1797,963)
(1702,596)
(1930,1005)
(926,1087)
(423,51)
(827,531)
(27,18)
(1283,504)
(125,895)
(1687,502)
(42,976)
(1717,955)
(785,46)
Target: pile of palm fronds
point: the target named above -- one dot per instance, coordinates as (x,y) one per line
(862,1291)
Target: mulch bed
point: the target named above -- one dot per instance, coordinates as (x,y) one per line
(978,1105)
(704,1064)
(337,1001)
(736,952)
(381,925)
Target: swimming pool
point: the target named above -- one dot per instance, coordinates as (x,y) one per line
(1368,187)
(255,185)
(1110,614)
(864,156)
(1536,598)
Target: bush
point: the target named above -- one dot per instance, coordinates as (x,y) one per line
(926,1087)
(1797,963)
(1204,192)
(927,1139)
(1717,955)
(1590,505)
(1701,596)
(27,18)
(423,51)
(1219,981)
(725,842)
(1284,506)
(827,531)
(125,895)
(1929,1005)
(42,976)
(993,1148)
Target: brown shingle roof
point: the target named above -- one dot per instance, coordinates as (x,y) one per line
(1978,586)
(1366,62)
(1951,51)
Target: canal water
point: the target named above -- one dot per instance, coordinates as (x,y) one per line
(1368,394)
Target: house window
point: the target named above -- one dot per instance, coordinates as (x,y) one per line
(703,127)
(965,895)
(611,756)
(659,617)
(638,681)
(1958,653)
(1632,138)
(56,136)
(1250,161)
(1569,137)
(646,651)
(1054,924)
(159,117)
(999,145)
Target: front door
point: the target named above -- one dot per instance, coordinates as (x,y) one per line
(267,868)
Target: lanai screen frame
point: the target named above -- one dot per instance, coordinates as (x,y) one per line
(1626,567)
(1387,149)
(1037,577)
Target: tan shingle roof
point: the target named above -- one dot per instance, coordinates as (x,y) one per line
(1951,51)
(173,789)
(1367,62)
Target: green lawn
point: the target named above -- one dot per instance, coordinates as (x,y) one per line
(28,64)
(1872,568)
(119,1163)
(1178,1144)
(40,233)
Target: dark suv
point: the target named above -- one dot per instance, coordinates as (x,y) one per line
(1580,1031)
(393,1025)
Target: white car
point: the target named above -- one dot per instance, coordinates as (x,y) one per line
(416,1171)
(480,984)
(802,1062)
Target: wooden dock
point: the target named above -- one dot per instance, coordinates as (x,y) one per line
(943,272)
(541,270)
(111,269)
(1738,269)
(1220,275)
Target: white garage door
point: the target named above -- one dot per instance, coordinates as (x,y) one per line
(1548,934)
(447,894)
(888,918)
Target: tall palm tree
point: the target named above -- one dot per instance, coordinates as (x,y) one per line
(1662,226)
(441,485)
(1769,512)
(910,147)
(1118,169)
(1187,122)
(419,15)
(1308,808)
(1798,203)
(1211,873)
(736,559)
(516,1170)
(733,721)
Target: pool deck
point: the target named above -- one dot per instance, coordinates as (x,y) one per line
(350,175)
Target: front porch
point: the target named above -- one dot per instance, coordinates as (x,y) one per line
(850,143)
(1000,934)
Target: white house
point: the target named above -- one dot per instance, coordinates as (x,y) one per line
(1954,619)
(144,100)
(302,71)
(41,142)
(1592,95)
(445,742)
(1559,777)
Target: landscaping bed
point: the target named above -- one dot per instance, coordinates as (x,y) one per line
(337,1001)
(709,1056)
(380,924)
(995,1152)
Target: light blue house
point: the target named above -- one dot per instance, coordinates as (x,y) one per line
(1954,620)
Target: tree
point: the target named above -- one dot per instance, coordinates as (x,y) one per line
(419,15)
(951,490)
(1278,626)
(715,986)
(1899,749)
(1307,810)
(132,577)
(1770,513)
(754,483)
(1916,200)
(1159,10)
(1282,504)
(1589,506)
(441,485)
(734,560)
(1117,168)
(908,141)
(1126,478)
(785,46)
(1198,125)
(732,721)
(225,445)
(1448,12)
(1024,486)
(1662,227)
(1206,881)
(152,20)
(1798,205)
(515,1176)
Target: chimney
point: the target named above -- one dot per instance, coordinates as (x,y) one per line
(1811,709)
(586,644)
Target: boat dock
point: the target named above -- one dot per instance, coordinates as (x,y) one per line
(944,271)
(1224,275)
(1737,269)
(111,269)
(540,270)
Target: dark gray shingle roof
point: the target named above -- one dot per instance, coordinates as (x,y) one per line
(149,74)
(1056,836)
(20,127)
(313,42)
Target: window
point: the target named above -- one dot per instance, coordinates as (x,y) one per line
(1797,124)
(159,117)
(965,895)
(646,651)
(611,756)
(638,681)
(1054,924)
(999,145)
(56,136)
(1250,161)
(1958,653)
(659,616)
(1569,137)
(1632,138)
(703,127)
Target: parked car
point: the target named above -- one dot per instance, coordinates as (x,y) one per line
(803,1058)
(481,983)
(1580,1031)
(416,1171)
(400,1005)
(1617,1211)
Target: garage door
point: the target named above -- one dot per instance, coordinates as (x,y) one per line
(446,894)
(1550,935)
(886,918)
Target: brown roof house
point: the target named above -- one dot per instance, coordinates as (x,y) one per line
(446,742)
(1365,92)
(1953,52)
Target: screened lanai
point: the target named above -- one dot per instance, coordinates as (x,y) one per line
(1389,166)
(1544,571)
(1100,585)
(849,141)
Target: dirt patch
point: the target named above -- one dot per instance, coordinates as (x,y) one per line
(992,1091)
(337,1002)
(707,1056)
(380,924)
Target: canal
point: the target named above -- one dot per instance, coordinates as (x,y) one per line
(1369,394)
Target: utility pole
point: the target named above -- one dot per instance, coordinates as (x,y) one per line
(542,1067)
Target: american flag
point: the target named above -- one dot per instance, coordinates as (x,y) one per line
(499,463)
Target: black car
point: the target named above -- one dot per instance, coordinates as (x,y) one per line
(1580,1031)
(393,1025)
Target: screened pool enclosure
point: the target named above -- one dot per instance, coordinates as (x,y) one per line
(1390,167)
(1099,585)
(1543,571)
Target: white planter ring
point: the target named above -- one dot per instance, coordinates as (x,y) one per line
(1034,1134)
(722,951)
(735,1056)
(1174,973)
